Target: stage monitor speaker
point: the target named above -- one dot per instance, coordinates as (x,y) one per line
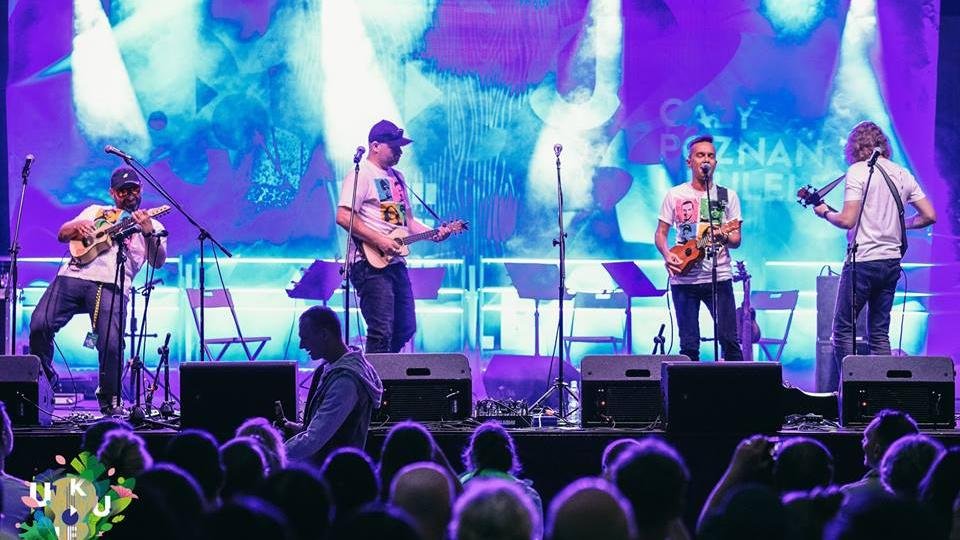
(423,387)
(921,386)
(622,390)
(219,396)
(736,397)
(25,390)
(526,378)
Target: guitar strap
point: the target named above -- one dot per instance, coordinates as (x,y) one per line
(414,193)
(896,199)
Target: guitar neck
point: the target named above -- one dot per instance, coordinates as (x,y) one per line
(420,236)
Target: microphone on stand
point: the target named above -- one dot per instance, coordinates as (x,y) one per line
(877,152)
(110,149)
(26,166)
(557,148)
(706,169)
(153,283)
(359,154)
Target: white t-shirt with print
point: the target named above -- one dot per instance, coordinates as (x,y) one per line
(879,236)
(382,202)
(103,269)
(685,209)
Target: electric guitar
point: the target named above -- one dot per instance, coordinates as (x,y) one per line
(747,328)
(693,250)
(379,259)
(84,251)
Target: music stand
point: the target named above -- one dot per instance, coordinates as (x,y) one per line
(425,283)
(318,282)
(537,282)
(635,284)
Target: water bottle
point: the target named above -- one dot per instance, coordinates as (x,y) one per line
(573,404)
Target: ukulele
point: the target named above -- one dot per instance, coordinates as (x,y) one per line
(379,259)
(84,251)
(747,328)
(693,250)
(809,195)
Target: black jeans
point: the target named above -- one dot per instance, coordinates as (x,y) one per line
(687,298)
(69,296)
(876,286)
(386,301)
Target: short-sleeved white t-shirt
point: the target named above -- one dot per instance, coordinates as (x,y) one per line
(685,209)
(382,202)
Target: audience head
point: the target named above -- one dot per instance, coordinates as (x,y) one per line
(244,467)
(352,480)
(320,333)
(301,494)
(808,512)
(590,508)
(654,478)
(885,428)
(169,505)
(494,509)
(491,447)
(376,522)
(906,464)
(270,440)
(747,511)
(879,514)
(93,436)
(801,464)
(425,492)
(6,435)
(125,452)
(613,451)
(196,452)
(245,517)
(406,443)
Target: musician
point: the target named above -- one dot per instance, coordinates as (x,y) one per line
(93,288)
(382,206)
(880,238)
(685,209)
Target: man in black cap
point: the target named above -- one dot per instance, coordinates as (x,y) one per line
(382,206)
(92,287)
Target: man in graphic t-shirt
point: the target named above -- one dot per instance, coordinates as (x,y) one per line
(685,209)
(382,206)
(880,238)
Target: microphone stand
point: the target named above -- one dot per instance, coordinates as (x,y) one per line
(166,408)
(708,180)
(203,235)
(14,297)
(852,257)
(347,262)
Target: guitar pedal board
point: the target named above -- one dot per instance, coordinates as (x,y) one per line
(509,412)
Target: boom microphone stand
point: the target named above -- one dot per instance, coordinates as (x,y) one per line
(346,252)
(559,386)
(14,253)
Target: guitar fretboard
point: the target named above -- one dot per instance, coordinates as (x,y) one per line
(420,236)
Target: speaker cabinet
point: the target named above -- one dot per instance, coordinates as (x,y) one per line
(622,390)
(25,390)
(921,386)
(423,387)
(735,397)
(219,396)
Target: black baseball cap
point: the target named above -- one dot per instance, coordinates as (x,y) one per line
(387,132)
(124,177)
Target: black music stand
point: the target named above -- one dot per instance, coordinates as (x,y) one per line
(425,283)
(318,282)
(537,282)
(635,284)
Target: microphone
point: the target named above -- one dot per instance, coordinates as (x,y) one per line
(877,152)
(359,154)
(26,166)
(153,283)
(110,149)
(705,168)
(557,148)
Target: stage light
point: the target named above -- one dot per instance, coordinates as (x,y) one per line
(793,17)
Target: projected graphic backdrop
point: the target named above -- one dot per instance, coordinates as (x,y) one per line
(249,112)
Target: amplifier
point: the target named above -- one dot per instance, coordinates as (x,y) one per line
(921,386)
(25,390)
(423,387)
(622,390)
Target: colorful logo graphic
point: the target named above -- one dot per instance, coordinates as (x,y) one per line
(76,505)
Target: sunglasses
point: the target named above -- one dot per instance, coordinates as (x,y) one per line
(124,191)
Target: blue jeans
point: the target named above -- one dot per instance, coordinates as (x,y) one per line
(69,296)
(876,285)
(386,301)
(686,300)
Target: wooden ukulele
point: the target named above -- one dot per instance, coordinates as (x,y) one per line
(747,328)
(379,259)
(84,251)
(693,250)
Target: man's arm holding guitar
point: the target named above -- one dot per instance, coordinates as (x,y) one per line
(660,240)
(367,234)
(926,215)
(416,228)
(844,219)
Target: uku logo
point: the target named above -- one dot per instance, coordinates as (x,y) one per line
(76,505)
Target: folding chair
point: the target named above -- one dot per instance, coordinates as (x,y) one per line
(219,299)
(774,301)
(596,300)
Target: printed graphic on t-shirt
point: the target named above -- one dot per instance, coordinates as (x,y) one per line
(690,217)
(392,208)
(109,216)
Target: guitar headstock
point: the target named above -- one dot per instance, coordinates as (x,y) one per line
(741,273)
(808,195)
(457,226)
